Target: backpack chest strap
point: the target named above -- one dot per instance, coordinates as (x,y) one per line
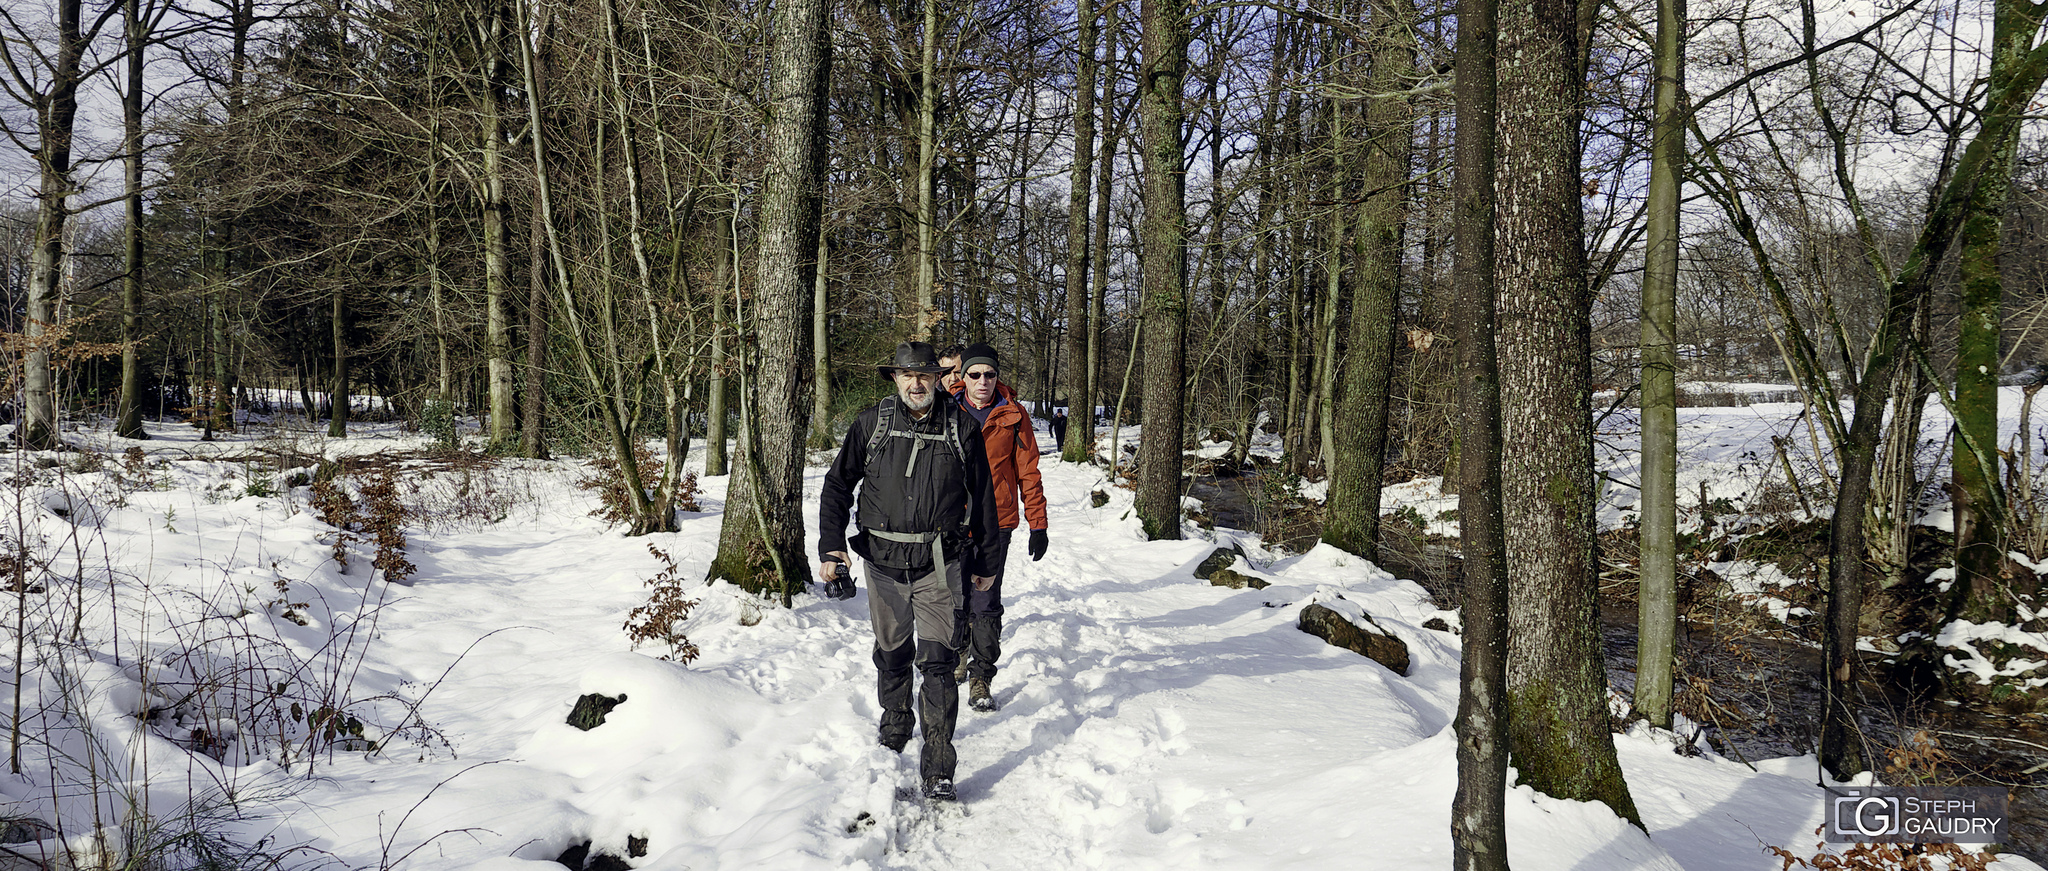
(917,440)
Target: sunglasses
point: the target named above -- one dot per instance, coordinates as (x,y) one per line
(980,375)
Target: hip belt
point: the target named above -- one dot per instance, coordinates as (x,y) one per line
(934,539)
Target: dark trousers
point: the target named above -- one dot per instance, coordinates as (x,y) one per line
(913,627)
(978,625)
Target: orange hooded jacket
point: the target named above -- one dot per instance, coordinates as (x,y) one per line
(1012,458)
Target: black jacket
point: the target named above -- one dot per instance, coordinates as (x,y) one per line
(945,493)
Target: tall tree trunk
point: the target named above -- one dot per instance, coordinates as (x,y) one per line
(1479,839)
(1360,435)
(922,317)
(821,346)
(1557,686)
(337,390)
(761,542)
(1080,439)
(725,275)
(56,122)
(1164,234)
(497,233)
(1657,600)
(1324,396)
(1105,189)
(1979,494)
(532,424)
(128,413)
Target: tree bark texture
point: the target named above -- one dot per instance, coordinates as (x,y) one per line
(1479,840)
(1164,235)
(725,275)
(1979,493)
(1557,687)
(56,122)
(128,409)
(497,233)
(1360,435)
(1657,600)
(763,529)
(1080,429)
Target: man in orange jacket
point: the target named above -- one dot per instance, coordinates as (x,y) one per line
(1012,447)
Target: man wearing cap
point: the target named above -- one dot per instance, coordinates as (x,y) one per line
(1013,464)
(926,513)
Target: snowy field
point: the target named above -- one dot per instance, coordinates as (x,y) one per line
(1147,719)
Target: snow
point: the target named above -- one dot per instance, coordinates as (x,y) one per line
(1966,636)
(1146,720)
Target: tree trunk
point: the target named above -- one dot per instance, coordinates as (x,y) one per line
(337,391)
(1657,600)
(128,413)
(923,315)
(532,424)
(1166,265)
(761,542)
(1105,187)
(497,233)
(1557,687)
(1080,438)
(821,347)
(1980,521)
(55,127)
(725,274)
(1479,840)
(1360,435)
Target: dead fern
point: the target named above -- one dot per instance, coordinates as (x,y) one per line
(661,619)
(1887,857)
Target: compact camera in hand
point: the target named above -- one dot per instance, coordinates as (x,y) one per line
(841,585)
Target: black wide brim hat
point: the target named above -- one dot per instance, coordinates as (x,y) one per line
(913,357)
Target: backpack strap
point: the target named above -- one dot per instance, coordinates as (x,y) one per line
(885,427)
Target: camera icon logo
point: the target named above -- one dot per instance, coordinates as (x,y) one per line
(1868,816)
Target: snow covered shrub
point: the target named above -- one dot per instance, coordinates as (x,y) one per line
(661,619)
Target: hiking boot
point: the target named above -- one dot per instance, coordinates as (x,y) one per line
(960,667)
(978,696)
(939,789)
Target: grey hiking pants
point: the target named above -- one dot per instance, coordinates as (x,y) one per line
(913,623)
(978,624)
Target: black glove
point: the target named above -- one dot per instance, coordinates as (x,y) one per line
(1037,545)
(841,585)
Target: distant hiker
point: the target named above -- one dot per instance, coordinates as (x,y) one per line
(1013,463)
(949,357)
(1059,428)
(926,512)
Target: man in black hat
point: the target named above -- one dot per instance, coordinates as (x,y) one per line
(926,513)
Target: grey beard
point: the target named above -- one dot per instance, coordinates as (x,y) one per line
(914,404)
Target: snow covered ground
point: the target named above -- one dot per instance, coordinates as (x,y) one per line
(1147,719)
